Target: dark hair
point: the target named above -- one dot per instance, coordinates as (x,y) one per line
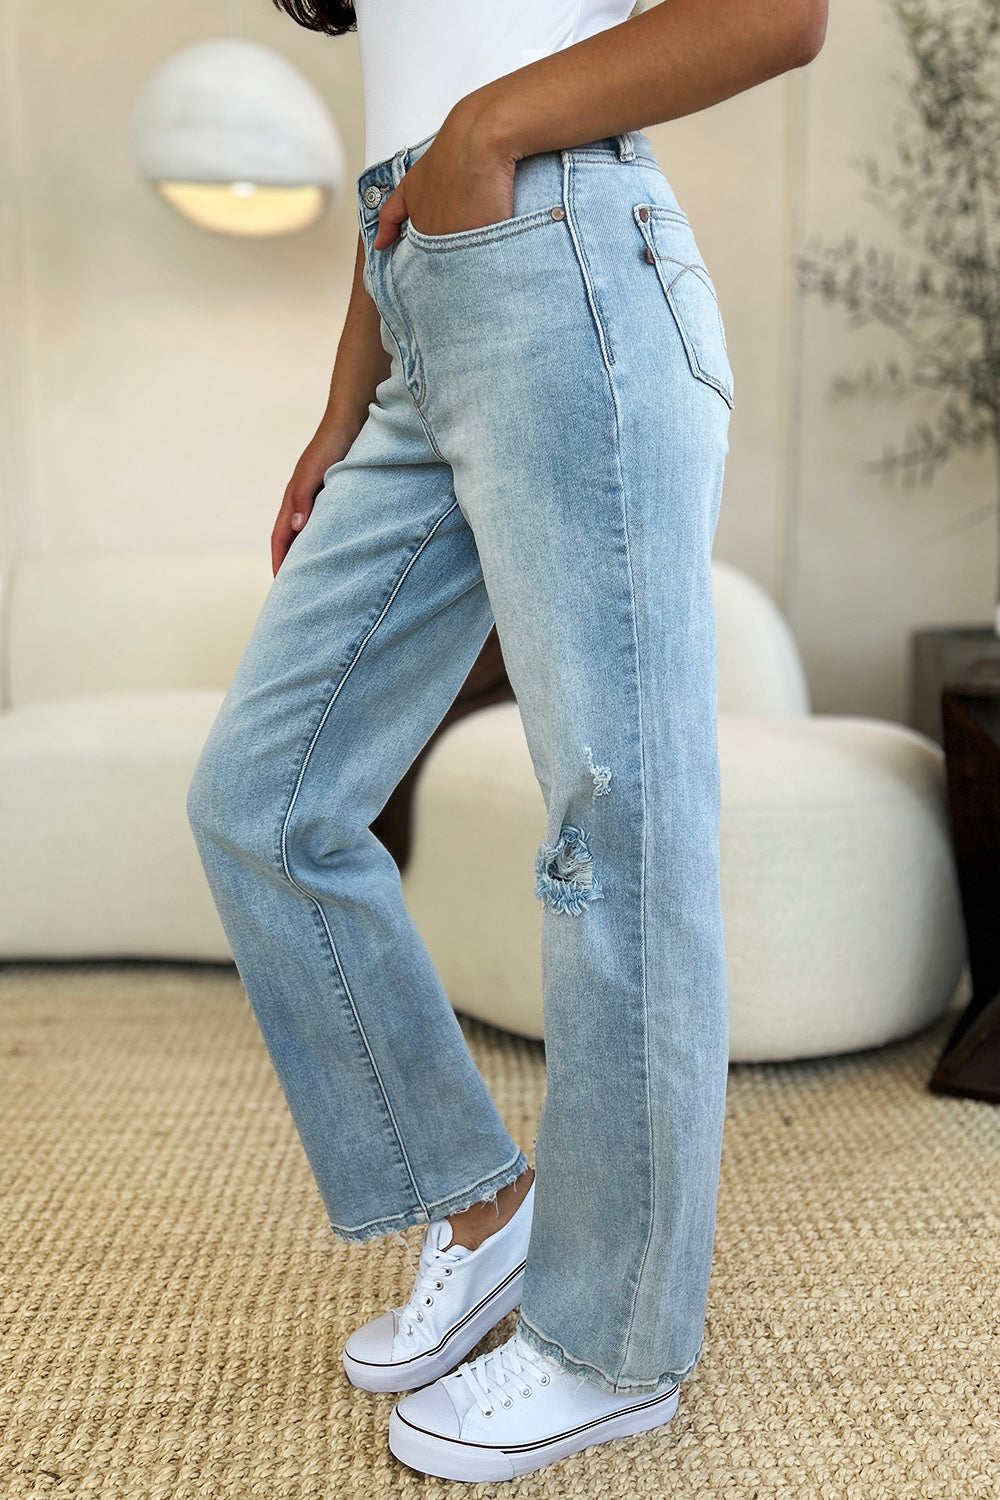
(333,17)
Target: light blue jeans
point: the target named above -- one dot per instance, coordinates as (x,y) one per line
(547,452)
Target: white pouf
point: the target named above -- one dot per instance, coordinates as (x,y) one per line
(843,926)
(842,920)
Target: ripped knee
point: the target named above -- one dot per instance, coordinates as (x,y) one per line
(566,881)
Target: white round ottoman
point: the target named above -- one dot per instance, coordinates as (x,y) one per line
(843,925)
(843,928)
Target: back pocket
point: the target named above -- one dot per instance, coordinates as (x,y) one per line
(690,293)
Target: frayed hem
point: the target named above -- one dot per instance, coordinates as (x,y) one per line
(484,1191)
(557,1354)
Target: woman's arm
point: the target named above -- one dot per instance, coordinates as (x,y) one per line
(675,59)
(360,366)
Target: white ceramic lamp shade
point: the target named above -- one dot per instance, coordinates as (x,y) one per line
(237,140)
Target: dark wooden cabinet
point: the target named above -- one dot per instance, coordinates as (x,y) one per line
(970,708)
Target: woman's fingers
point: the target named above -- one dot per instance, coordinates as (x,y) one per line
(329,445)
(453,186)
(296,508)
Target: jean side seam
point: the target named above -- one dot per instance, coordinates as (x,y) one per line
(630,1325)
(569,197)
(291,878)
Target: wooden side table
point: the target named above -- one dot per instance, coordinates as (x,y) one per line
(970,1063)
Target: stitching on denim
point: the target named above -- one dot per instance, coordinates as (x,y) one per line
(417,401)
(310,731)
(284,830)
(323,935)
(573,1366)
(609,158)
(569,195)
(685,265)
(489,234)
(630,1328)
(422,1215)
(658,211)
(705,376)
(416,405)
(427,428)
(399,350)
(421,377)
(703,275)
(503,1178)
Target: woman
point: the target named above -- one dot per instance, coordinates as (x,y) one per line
(527,423)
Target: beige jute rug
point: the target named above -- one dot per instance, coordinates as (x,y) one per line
(174,1304)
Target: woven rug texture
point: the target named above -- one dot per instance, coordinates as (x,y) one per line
(174,1304)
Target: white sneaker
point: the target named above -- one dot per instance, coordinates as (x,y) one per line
(458,1296)
(510,1412)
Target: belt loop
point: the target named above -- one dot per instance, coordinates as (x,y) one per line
(399,165)
(626,151)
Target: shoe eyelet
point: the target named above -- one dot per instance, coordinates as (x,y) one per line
(428,1301)
(526,1390)
(488,1413)
(448,1271)
(439,1285)
(543,1380)
(420,1317)
(409,1333)
(507,1402)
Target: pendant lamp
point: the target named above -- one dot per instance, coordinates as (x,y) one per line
(237,140)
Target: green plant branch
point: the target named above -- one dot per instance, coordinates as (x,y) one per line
(944,195)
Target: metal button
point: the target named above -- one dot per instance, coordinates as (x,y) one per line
(559,212)
(372,196)
(644,214)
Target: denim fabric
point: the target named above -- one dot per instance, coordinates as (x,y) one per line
(547,452)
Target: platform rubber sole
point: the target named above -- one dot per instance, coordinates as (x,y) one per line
(451,1458)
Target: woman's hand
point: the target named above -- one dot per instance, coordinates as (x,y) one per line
(328,447)
(462,181)
(665,62)
(362,363)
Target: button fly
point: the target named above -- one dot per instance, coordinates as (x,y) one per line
(372,196)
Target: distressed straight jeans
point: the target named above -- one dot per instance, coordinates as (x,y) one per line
(547,452)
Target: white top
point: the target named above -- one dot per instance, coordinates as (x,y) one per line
(419,57)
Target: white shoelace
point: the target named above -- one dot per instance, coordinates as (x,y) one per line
(435,1265)
(489,1376)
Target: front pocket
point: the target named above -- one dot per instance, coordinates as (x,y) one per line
(461,239)
(690,293)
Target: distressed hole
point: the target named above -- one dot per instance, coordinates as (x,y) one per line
(601,775)
(565,871)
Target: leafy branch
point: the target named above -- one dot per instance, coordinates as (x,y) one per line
(944,194)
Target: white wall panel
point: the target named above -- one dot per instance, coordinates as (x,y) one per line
(159,382)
